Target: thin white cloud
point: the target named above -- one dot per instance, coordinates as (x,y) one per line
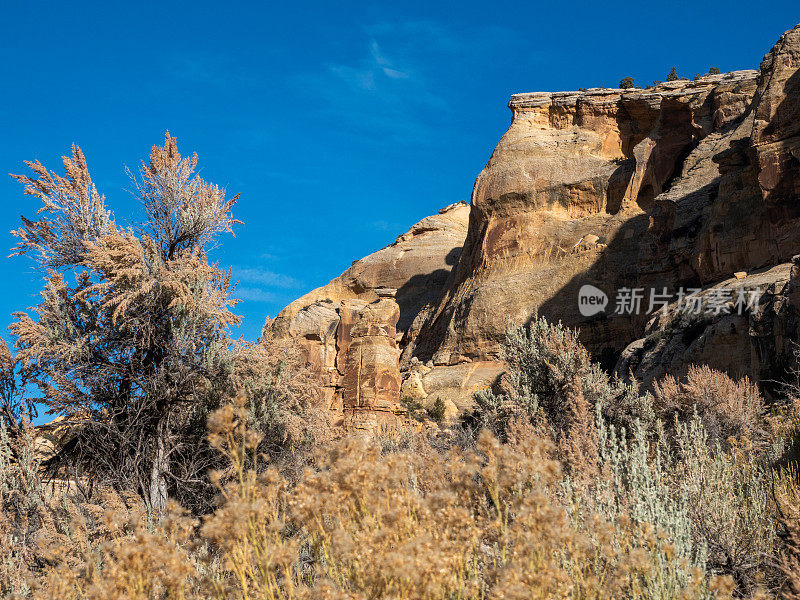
(254,294)
(396,90)
(384,226)
(370,74)
(387,92)
(384,64)
(265,277)
(394,74)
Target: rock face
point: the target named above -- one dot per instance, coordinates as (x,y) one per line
(776,130)
(752,222)
(416,265)
(371,369)
(677,186)
(756,342)
(347,330)
(567,198)
(453,384)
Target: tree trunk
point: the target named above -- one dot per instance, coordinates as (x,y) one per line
(158,482)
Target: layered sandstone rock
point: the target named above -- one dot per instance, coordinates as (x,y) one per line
(573,166)
(776,130)
(745,219)
(455,385)
(367,338)
(413,272)
(753,340)
(680,185)
(416,265)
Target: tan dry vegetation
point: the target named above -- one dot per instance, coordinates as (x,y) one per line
(482,523)
(496,520)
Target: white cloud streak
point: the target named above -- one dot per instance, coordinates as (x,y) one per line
(265,277)
(252,294)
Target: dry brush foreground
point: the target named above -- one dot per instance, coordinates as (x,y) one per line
(493,521)
(584,509)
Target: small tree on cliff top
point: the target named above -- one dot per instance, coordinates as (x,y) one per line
(673,75)
(131,341)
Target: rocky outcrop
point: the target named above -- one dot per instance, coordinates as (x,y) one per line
(367,341)
(452,384)
(776,128)
(676,186)
(326,322)
(573,166)
(750,222)
(750,333)
(416,266)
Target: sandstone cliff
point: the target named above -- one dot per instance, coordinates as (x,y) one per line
(350,329)
(752,222)
(679,185)
(567,198)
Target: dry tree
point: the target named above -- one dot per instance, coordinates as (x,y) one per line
(130,341)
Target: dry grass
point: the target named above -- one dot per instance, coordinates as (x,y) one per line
(486,523)
(728,408)
(582,509)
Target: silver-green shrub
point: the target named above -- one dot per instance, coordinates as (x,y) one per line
(546,362)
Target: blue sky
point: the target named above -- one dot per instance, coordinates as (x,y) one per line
(340,123)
